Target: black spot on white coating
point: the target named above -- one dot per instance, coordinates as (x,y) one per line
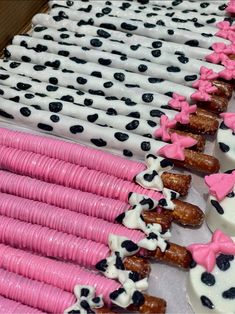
(147,97)
(207,302)
(98,142)
(45,127)
(229,294)
(25,111)
(55,106)
(120,136)
(92,118)
(223,261)
(208,279)
(127,153)
(5,114)
(76,129)
(132,125)
(54,118)
(128,26)
(217,206)
(156,113)
(224,147)
(145,146)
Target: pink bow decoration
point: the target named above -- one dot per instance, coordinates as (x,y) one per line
(183,116)
(165,125)
(229,72)
(176,149)
(231,6)
(229,119)
(220,184)
(221,50)
(208,74)
(226,30)
(205,88)
(205,254)
(176,101)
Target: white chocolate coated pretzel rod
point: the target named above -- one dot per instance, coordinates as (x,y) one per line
(90,84)
(150,11)
(124,47)
(153,84)
(141,67)
(112,105)
(116,11)
(137,27)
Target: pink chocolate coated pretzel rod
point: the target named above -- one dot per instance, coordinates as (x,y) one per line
(51,243)
(63,220)
(34,293)
(73,153)
(69,175)
(59,274)
(57,195)
(8,306)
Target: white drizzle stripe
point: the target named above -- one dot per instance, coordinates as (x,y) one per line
(138,80)
(138,14)
(156,31)
(141,53)
(100,117)
(145,112)
(130,64)
(87,83)
(81,131)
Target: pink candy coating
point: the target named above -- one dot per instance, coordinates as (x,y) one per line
(34,293)
(229,119)
(231,7)
(8,306)
(73,153)
(220,184)
(59,274)
(75,200)
(80,225)
(51,243)
(165,125)
(69,175)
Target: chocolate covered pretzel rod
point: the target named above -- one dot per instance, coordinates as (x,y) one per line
(131,13)
(96,159)
(9,306)
(71,275)
(131,144)
(136,27)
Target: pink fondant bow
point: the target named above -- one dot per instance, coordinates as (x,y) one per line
(231,6)
(229,72)
(205,88)
(221,50)
(183,116)
(177,101)
(226,30)
(220,184)
(205,254)
(176,149)
(165,125)
(207,74)
(229,119)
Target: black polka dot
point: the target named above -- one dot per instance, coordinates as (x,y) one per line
(51,88)
(63,53)
(53,80)
(96,74)
(92,117)
(176,2)
(45,127)
(119,76)
(76,129)
(41,48)
(38,29)
(229,294)
(23,86)
(223,147)
(7,53)
(151,123)
(108,84)
(108,26)
(25,111)
(210,21)
(190,78)
(1,92)
(55,106)
(36,107)
(128,26)
(81,80)
(148,97)
(231,195)
(132,125)
(39,67)
(145,146)
(156,113)
(156,53)
(127,153)
(95,42)
(15,99)
(103,33)
(88,102)
(207,302)
(4,77)
(157,44)
(183,59)
(192,43)
(217,206)
(54,118)
(134,114)
(208,279)
(78,60)
(14,65)
(111,112)
(173,69)
(223,261)
(25,59)
(98,142)
(160,23)
(67,98)
(170,32)
(120,136)
(142,68)
(104,61)
(204,5)
(222,7)
(134,47)
(106,10)
(64,36)
(53,64)
(154,80)
(96,92)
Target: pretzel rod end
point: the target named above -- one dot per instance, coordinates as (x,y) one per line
(138,264)
(177,182)
(199,146)
(201,123)
(103,310)
(217,104)
(225,89)
(151,304)
(151,217)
